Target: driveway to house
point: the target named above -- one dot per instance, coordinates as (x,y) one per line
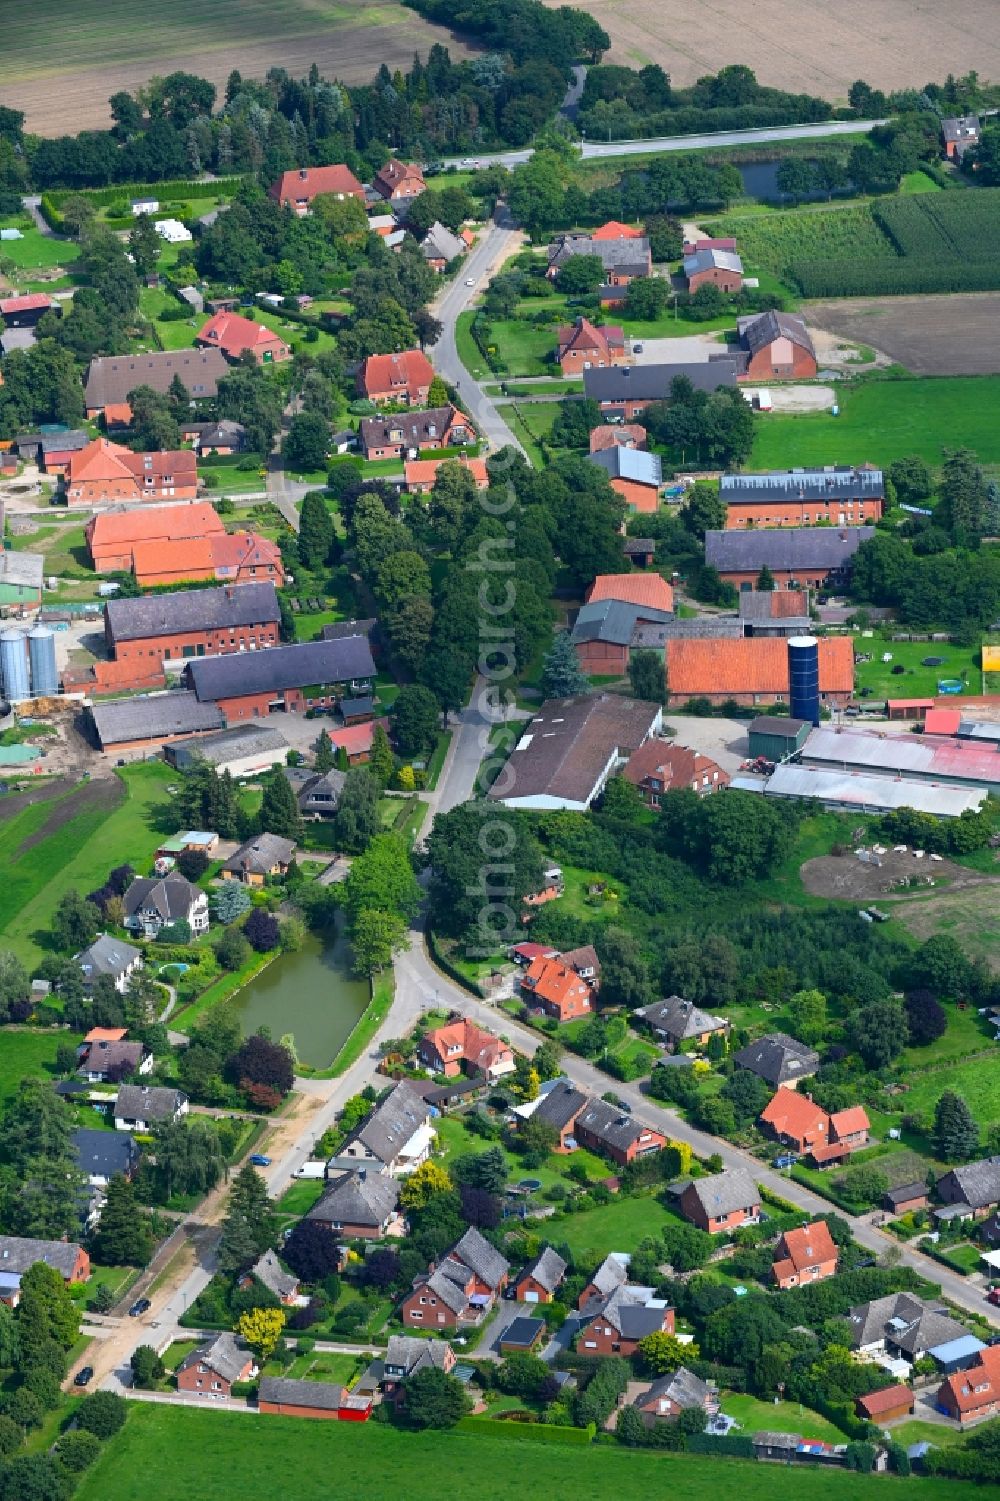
(500,241)
(692,349)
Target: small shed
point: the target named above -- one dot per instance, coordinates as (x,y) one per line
(957,1354)
(776,737)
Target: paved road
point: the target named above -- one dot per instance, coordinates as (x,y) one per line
(501,240)
(590,149)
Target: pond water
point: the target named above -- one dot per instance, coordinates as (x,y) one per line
(760,181)
(310,993)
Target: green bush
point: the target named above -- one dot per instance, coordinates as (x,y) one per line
(539,1433)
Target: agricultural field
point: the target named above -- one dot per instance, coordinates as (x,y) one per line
(967,915)
(64,58)
(929,335)
(882,420)
(165,1451)
(774,241)
(824,48)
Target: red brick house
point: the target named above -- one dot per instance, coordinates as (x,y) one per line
(461,1289)
(402,377)
(795,1120)
(232,618)
(405,435)
(612,1273)
(804,1256)
(237,336)
(752,669)
(582,344)
(235,557)
(717,268)
(906,1198)
(612,1132)
(18,1253)
(617,435)
(721,1201)
(541,1278)
(615,1324)
(298,188)
(361,1205)
(973,1394)
(420,475)
(399,180)
(673,1394)
(459,1042)
(659,767)
(557,989)
(777,347)
(560,1107)
(406,1354)
(215,1367)
(105,471)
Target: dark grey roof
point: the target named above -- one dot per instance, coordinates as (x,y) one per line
(229,607)
(682,1387)
(448,1287)
(361,1198)
(835,482)
(759,331)
(633,1311)
(522,1331)
(147,1102)
(905,1320)
(548,1269)
(63,440)
(564,751)
(109,380)
(222,1355)
(172,896)
(153,716)
(976,1184)
(636,545)
(826,548)
(721,1193)
(101,1154)
(341,628)
(613,620)
(291,1393)
(232,745)
(416,429)
(475,1252)
(320,791)
(225,434)
(963,128)
(106,956)
(392,1123)
(679,1018)
(778,1058)
(757,606)
(407,1353)
(711,259)
(310,664)
(103,1056)
(440,242)
(615,255)
(777,724)
(559,1106)
(18,1253)
(364,704)
(611,1125)
(260,854)
(652,382)
(269,1271)
(904,1191)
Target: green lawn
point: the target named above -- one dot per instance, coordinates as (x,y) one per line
(918,182)
(975,1080)
(25,1053)
(293,333)
(523,348)
(781,1417)
(166,1451)
(916,1431)
(35,251)
(301,1197)
(468,349)
(77,839)
(64,548)
(457,1140)
(618,1226)
(882,420)
(178,1351)
(916,681)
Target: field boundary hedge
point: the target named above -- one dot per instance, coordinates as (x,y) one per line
(539,1433)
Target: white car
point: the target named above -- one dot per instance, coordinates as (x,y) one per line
(470,281)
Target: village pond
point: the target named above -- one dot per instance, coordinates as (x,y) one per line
(310,993)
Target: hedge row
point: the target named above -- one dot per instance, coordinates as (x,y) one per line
(728,1445)
(443,962)
(161,190)
(900,277)
(539,1433)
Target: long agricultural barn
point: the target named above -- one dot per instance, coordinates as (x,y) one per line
(242,751)
(805,557)
(924,758)
(872,794)
(135,727)
(314,674)
(234,618)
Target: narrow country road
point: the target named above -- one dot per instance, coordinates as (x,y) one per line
(499,242)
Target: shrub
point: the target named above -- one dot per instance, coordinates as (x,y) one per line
(102,1414)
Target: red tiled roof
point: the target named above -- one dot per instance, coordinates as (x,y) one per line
(106,1034)
(614,229)
(394,172)
(755,664)
(617,435)
(25,302)
(831,1152)
(477,1045)
(940,721)
(886,1399)
(99,460)
(116,529)
(308,182)
(424,471)
(356,738)
(847,1122)
(649,589)
(792,1114)
(234,550)
(234,334)
(807,1247)
(117,413)
(586,335)
(182,557)
(553,981)
(535,951)
(675,765)
(411,370)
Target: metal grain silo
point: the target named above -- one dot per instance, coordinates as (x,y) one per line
(14,666)
(803,676)
(42,662)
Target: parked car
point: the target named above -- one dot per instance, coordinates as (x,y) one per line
(139,1308)
(993,1296)
(259,1160)
(84,1376)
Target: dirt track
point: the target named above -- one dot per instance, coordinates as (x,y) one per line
(846,878)
(808,46)
(958,335)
